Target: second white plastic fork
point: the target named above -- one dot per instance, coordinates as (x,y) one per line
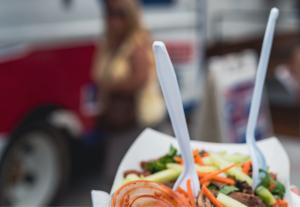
(170,89)
(257,157)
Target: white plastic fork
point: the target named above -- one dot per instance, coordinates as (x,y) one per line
(257,156)
(170,89)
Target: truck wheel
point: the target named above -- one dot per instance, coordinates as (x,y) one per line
(35,168)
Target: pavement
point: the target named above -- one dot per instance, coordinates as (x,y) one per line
(78,194)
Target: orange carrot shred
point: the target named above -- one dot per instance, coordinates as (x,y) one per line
(196,152)
(205,154)
(215,173)
(247,166)
(211,196)
(190,192)
(181,191)
(219,179)
(206,183)
(198,160)
(197,157)
(184,195)
(201,174)
(281,203)
(224,180)
(178,160)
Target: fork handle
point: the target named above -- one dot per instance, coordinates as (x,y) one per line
(261,74)
(173,100)
(256,155)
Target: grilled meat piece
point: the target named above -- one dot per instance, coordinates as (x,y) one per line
(138,173)
(249,200)
(143,164)
(244,187)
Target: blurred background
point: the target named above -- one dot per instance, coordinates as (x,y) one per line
(77,85)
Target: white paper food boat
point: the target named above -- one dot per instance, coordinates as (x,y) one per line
(152,144)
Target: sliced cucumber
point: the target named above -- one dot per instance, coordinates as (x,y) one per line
(228,201)
(205,169)
(236,172)
(236,158)
(175,166)
(265,195)
(164,176)
(207,160)
(131,177)
(201,169)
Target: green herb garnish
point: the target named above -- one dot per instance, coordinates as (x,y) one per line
(274,186)
(213,187)
(161,163)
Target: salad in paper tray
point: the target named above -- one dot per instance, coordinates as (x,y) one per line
(152,165)
(149,169)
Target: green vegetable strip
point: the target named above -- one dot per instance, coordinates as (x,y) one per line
(164,176)
(235,172)
(207,160)
(228,201)
(205,169)
(201,169)
(265,195)
(236,158)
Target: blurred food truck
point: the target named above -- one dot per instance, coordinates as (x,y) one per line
(47,99)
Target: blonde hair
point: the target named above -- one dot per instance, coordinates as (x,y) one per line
(132,10)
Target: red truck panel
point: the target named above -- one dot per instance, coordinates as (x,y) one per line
(44,76)
(55,75)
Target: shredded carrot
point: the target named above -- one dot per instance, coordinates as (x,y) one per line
(215,173)
(197,157)
(206,183)
(205,154)
(184,195)
(198,160)
(181,191)
(219,179)
(195,152)
(224,180)
(211,196)
(202,174)
(178,160)
(281,203)
(190,192)
(247,166)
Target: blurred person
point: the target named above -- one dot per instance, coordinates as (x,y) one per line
(124,70)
